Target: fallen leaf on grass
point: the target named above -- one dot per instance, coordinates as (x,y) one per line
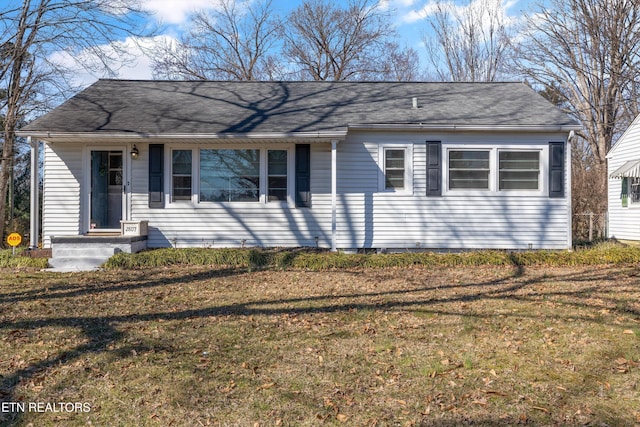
(496,392)
(266,386)
(342,418)
(539,408)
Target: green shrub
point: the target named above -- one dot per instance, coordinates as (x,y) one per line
(605,253)
(9,260)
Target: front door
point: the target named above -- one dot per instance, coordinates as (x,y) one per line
(106,189)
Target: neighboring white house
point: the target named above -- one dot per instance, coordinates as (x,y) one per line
(624,185)
(329,164)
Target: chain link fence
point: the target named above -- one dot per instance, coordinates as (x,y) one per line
(589,226)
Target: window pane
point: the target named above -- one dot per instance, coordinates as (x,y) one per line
(277,188)
(229,175)
(181,174)
(115,177)
(277,175)
(277,162)
(519,170)
(181,188)
(634,189)
(469,170)
(182,162)
(394,179)
(115,160)
(394,169)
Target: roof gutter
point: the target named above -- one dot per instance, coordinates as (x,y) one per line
(320,136)
(45,135)
(464,127)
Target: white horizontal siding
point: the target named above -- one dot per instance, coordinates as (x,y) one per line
(320,169)
(385,221)
(624,223)
(369,218)
(366,217)
(212,224)
(61,192)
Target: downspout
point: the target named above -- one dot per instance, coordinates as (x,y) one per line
(34,231)
(570,140)
(334,196)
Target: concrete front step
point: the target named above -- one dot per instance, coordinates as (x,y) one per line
(86,253)
(76,264)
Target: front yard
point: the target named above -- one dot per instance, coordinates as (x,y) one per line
(440,346)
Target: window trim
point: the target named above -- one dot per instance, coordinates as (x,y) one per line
(490,185)
(494,173)
(195,177)
(408,168)
(630,203)
(519,150)
(171,175)
(289,193)
(199,175)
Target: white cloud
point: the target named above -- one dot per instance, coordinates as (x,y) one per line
(131,60)
(420,14)
(458,9)
(176,11)
(395,4)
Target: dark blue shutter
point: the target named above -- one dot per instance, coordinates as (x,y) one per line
(303,175)
(434,168)
(556,169)
(156,175)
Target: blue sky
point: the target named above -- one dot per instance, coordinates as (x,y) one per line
(409,18)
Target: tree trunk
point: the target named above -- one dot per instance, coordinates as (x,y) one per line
(5,175)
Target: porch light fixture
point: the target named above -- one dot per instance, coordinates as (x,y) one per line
(134,152)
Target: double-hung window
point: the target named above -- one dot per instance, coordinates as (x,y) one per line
(277,175)
(181,166)
(394,169)
(469,169)
(519,170)
(495,169)
(634,190)
(630,191)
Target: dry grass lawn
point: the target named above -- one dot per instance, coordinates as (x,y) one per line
(436,347)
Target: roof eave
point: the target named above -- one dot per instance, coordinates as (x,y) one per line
(465,127)
(623,137)
(136,136)
(317,135)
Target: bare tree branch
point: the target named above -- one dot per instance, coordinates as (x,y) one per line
(326,42)
(31,34)
(588,51)
(469,43)
(585,54)
(232,43)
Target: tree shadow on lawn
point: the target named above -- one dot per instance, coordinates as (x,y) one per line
(102,331)
(135,279)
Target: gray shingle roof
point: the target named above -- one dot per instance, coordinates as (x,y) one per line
(208,107)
